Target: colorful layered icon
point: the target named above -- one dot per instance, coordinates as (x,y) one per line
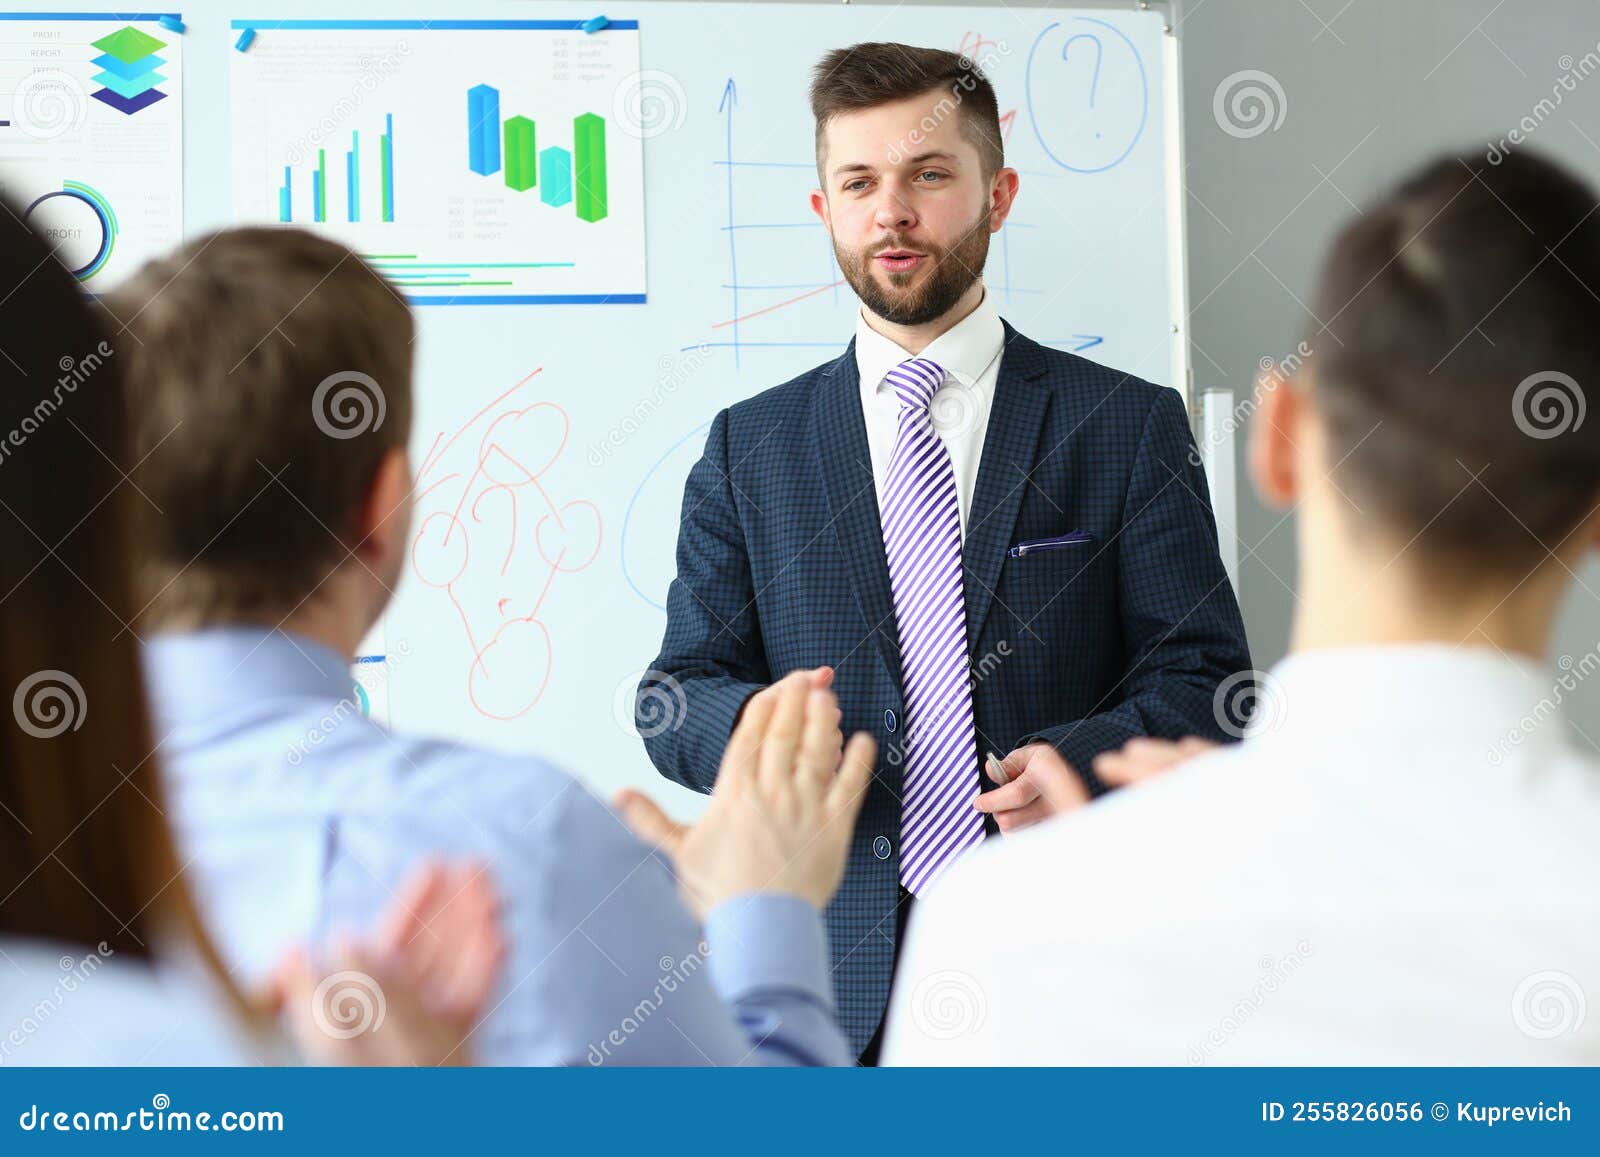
(128,64)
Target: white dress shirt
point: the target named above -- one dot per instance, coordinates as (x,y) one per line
(969,352)
(1397,867)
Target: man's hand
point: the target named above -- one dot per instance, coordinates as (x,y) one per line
(411,992)
(818,677)
(1141,758)
(1037,783)
(783,809)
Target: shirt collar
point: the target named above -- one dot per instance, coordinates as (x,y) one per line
(197,674)
(1462,699)
(965,350)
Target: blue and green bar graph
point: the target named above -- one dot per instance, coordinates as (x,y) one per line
(576,176)
(352,179)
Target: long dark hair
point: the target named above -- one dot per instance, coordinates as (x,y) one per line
(86,853)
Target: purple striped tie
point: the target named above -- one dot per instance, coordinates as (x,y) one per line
(922,539)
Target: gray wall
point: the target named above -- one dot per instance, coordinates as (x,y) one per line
(1370,88)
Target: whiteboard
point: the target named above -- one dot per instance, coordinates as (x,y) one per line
(613,400)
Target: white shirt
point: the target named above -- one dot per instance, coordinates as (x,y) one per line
(1399,868)
(969,352)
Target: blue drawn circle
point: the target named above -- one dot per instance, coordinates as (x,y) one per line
(632,501)
(1144,98)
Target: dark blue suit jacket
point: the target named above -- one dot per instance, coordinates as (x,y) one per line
(781,566)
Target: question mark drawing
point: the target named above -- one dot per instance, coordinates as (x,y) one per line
(1055,127)
(1099,55)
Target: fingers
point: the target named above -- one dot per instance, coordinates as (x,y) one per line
(479,951)
(647,821)
(855,775)
(1062,788)
(1144,757)
(407,912)
(1024,817)
(782,739)
(465,902)
(1014,764)
(821,739)
(744,745)
(291,977)
(1016,794)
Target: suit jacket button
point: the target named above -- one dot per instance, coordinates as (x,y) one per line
(890,722)
(881,848)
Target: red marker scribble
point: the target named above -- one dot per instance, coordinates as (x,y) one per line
(973,43)
(495,492)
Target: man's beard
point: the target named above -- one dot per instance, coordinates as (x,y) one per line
(953,272)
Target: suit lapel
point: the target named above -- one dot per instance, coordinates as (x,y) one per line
(840,430)
(1010,445)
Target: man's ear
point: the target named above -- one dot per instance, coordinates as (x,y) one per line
(385,517)
(819,206)
(1281,408)
(1002,196)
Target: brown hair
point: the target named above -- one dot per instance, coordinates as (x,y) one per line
(86,856)
(867,75)
(270,372)
(1461,337)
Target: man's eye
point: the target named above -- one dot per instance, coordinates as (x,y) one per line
(855,185)
(937,176)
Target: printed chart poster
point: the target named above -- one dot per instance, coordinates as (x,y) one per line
(473,162)
(91,136)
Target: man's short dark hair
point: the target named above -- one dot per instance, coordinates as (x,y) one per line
(867,75)
(1462,332)
(269,373)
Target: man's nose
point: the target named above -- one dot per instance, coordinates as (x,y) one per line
(893,211)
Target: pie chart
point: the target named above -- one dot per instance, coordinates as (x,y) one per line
(79,224)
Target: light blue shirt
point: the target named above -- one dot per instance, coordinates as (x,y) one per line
(299,817)
(69,1004)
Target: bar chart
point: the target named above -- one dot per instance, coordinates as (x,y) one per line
(509,147)
(469,161)
(314,182)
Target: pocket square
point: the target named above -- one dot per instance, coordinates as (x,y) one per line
(1028,547)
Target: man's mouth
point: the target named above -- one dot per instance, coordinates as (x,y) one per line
(900,260)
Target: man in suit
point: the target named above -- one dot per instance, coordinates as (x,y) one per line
(985,544)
